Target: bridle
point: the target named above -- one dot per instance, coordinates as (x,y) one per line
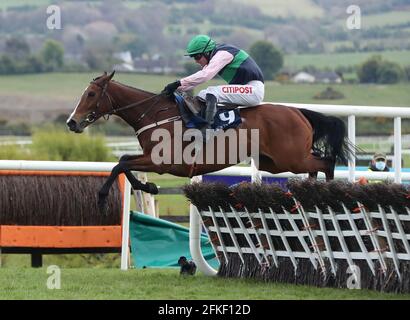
(93,116)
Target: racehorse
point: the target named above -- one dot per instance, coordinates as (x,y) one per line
(290,139)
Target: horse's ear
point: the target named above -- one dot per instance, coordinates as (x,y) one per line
(111,75)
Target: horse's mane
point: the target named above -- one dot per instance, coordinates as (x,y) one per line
(127,86)
(133,88)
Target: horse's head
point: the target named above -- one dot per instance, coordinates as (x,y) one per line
(94,103)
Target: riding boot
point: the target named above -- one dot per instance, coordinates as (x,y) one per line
(211,106)
(210,109)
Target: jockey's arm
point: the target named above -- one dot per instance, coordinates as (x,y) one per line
(216,64)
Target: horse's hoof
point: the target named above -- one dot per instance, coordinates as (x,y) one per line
(151,188)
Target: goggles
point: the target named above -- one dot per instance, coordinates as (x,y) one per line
(196,56)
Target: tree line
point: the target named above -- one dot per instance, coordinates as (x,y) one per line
(18,59)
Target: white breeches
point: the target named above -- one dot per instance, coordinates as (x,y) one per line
(250,94)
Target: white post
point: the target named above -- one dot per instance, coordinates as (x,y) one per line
(397,149)
(352,137)
(125,250)
(256,175)
(195,239)
(147,199)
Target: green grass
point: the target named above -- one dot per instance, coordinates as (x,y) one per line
(57,144)
(68,261)
(385,19)
(406,161)
(357,94)
(173,205)
(71,86)
(333,60)
(152,284)
(170,204)
(4,4)
(287,8)
(167,180)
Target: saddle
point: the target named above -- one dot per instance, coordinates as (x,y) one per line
(192,111)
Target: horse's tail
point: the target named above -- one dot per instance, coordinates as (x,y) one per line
(329,137)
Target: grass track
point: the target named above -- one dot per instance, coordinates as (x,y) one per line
(152,284)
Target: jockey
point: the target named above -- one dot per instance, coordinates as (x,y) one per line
(246,84)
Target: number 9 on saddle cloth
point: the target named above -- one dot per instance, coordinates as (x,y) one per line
(192,112)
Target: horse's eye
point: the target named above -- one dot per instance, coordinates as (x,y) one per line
(91,94)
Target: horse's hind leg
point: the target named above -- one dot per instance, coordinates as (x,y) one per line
(267,164)
(330,172)
(126,161)
(138,185)
(327,166)
(123,167)
(103,193)
(313,165)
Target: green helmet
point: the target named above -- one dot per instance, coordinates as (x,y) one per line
(200,44)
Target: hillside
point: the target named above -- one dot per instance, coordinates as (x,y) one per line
(296,26)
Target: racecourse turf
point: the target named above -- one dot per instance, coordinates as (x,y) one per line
(162,284)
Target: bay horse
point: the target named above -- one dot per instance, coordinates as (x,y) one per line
(290,139)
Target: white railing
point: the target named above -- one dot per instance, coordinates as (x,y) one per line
(339,174)
(364,111)
(56,165)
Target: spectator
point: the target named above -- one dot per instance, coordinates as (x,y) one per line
(379,163)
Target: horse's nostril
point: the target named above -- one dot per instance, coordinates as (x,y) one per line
(72,125)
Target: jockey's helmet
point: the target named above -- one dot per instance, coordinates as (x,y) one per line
(200,44)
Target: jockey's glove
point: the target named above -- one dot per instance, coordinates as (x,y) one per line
(171,87)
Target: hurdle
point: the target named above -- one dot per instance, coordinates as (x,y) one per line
(49,237)
(248,174)
(323,234)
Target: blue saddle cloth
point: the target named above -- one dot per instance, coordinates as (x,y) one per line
(224,119)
